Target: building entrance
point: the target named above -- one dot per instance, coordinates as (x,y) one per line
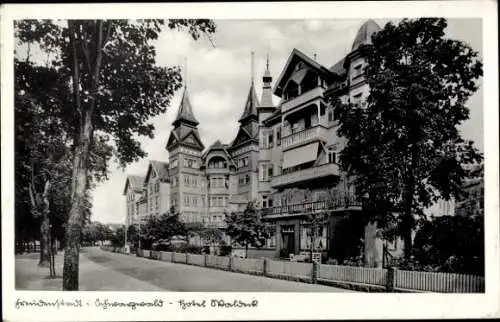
(288,241)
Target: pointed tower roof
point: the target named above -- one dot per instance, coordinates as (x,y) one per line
(267,93)
(185,112)
(365,33)
(251,105)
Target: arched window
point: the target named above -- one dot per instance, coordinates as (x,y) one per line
(217,162)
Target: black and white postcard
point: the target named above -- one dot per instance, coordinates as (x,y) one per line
(250,161)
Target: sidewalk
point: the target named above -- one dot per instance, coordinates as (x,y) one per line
(92,276)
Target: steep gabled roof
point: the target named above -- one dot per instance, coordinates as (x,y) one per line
(135,182)
(161,169)
(338,68)
(185,112)
(294,56)
(251,105)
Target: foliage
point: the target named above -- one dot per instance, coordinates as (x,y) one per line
(118,237)
(95,231)
(225,250)
(247,228)
(114,87)
(449,244)
(403,148)
(161,228)
(348,231)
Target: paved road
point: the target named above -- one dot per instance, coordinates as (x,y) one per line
(106,271)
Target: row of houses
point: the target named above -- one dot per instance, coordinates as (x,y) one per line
(284,157)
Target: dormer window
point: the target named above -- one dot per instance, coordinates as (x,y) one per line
(357,71)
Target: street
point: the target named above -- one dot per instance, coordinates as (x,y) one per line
(106,271)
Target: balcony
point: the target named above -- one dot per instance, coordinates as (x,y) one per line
(310,95)
(215,225)
(314,133)
(321,171)
(337,203)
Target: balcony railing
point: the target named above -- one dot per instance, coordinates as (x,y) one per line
(215,224)
(317,132)
(303,98)
(324,170)
(336,203)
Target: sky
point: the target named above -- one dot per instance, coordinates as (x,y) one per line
(218,78)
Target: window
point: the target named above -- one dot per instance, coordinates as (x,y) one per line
(330,116)
(157,201)
(247,179)
(173,164)
(270,171)
(270,138)
(186,200)
(186,179)
(194,201)
(356,99)
(357,71)
(332,156)
(190,163)
(157,186)
(264,201)
(217,182)
(278,136)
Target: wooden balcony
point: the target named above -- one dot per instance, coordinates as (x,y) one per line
(325,170)
(338,203)
(302,99)
(315,133)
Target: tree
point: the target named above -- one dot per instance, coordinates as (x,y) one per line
(118,237)
(161,228)
(451,244)
(403,148)
(247,228)
(116,87)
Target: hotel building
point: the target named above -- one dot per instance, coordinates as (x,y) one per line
(284,157)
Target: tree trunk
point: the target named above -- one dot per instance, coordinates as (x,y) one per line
(75,220)
(44,243)
(246,250)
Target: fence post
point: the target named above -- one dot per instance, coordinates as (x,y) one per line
(315,269)
(230,263)
(391,279)
(187,258)
(205,260)
(265,266)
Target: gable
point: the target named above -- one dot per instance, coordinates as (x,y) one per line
(172,140)
(297,57)
(241,137)
(149,174)
(192,140)
(127,186)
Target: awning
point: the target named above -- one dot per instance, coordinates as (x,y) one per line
(300,155)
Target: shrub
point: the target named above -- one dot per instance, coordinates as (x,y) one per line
(225,250)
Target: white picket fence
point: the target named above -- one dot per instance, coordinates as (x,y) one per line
(198,260)
(364,275)
(398,280)
(179,258)
(221,262)
(166,256)
(438,282)
(248,265)
(290,269)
